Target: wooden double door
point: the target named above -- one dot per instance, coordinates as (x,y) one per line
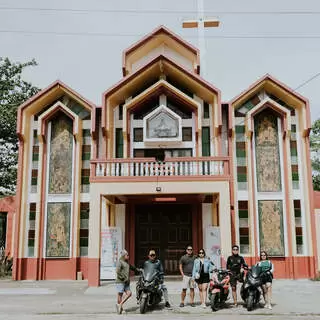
(166,228)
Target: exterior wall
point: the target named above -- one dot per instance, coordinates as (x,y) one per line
(295,260)
(317,220)
(317,223)
(8,206)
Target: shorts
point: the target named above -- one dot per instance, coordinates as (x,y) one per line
(187,282)
(122,287)
(267,278)
(204,278)
(234,278)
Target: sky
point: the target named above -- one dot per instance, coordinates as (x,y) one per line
(81,42)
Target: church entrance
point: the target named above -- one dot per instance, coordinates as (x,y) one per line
(166,228)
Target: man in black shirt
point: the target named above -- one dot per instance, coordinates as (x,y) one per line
(235,264)
(185,268)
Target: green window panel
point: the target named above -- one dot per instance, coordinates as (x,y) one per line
(84,214)
(243,213)
(205,141)
(299,240)
(84,242)
(119,143)
(244,240)
(85,180)
(32,215)
(86,133)
(240,153)
(206,112)
(297,213)
(248,105)
(293,152)
(293,128)
(86,156)
(240,129)
(242,177)
(35,157)
(295,176)
(34,181)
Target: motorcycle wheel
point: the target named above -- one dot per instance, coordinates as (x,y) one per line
(250,303)
(214,302)
(143,305)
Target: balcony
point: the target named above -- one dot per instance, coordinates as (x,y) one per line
(213,168)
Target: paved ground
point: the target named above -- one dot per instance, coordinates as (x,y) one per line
(67,300)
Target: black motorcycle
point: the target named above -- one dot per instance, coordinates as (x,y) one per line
(148,289)
(251,288)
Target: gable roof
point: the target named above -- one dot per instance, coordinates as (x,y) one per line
(49,93)
(150,36)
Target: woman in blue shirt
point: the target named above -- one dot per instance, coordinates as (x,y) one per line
(202,273)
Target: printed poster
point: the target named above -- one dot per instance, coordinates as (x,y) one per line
(213,244)
(111,245)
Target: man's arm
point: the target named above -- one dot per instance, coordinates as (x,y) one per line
(180,269)
(229,263)
(243,262)
(133,268)
(180,266)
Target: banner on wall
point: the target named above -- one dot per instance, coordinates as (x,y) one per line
(213,249)
(111,245)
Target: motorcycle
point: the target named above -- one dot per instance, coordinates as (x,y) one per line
(251,288)
(148,288)
(219,288)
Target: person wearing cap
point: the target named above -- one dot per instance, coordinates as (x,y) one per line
(123,280)
(185,267)
(158,266)
(235,264)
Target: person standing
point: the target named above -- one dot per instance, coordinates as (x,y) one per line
(235,264)
(123,280)
(267,267)
(185,267)
(158,266)
(202,273)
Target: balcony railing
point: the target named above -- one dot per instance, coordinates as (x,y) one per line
(149,167)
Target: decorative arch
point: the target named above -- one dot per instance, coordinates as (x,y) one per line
(265,104)
(51,112)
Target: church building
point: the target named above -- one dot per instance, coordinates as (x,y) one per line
(164,163)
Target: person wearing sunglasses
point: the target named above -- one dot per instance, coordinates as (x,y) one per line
(185,267)
(158,266)
(267,268)
(235,263)
(202,273)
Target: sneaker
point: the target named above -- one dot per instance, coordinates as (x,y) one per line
(203,305)
(118,308)
(269,306)
(192,304)
(167,304)
(235,305)
(181,305)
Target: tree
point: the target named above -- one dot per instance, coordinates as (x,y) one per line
(315,154)
(13,92)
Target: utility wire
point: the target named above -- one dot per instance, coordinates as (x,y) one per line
(161,11)
(101,34)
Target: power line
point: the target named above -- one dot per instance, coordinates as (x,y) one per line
(101,34)
(162,11)
(307,81)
